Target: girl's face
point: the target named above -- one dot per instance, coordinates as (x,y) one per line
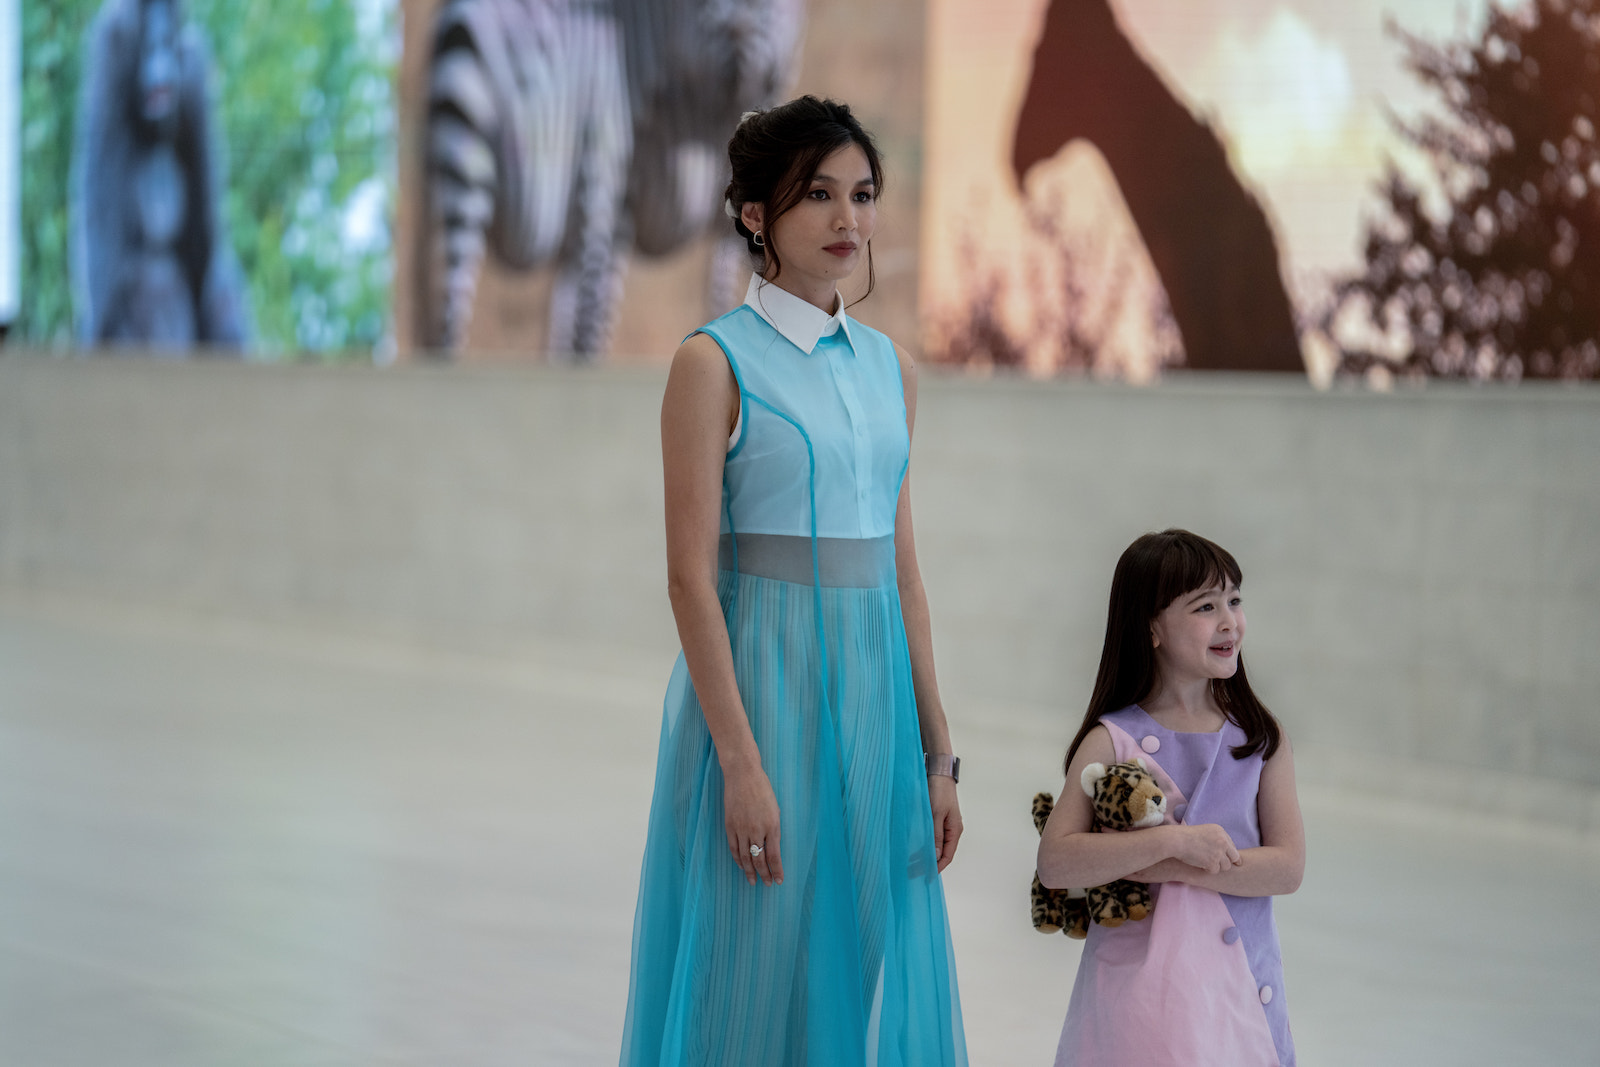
(824,237)
(1198,635)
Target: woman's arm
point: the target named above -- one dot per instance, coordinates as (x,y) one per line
(1274,869)
(697,414)
(1071,854)
(935,729)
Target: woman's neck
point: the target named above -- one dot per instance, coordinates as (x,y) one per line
(818,292)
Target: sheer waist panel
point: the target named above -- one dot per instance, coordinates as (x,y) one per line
(848,562)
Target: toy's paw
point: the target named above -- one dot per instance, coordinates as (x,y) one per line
(1043,805)
(1118,902)
(1047,911)
(1077,916)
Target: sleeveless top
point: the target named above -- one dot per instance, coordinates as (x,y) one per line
(1200,982)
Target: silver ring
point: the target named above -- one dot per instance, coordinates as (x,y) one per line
(755,850)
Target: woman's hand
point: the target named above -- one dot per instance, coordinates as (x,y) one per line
(946,817)
(752,819)
(1206,847)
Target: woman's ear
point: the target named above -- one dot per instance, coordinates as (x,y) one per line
(752,215)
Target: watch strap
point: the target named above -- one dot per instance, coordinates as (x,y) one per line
(943,763)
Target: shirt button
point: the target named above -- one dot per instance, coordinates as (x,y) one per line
(1266,994)
(1230,936)
(1151,743)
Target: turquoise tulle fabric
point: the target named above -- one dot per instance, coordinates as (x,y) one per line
(848,962)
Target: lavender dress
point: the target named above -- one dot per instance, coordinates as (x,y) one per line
(1201,981)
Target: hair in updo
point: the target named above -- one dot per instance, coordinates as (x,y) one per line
(774,154)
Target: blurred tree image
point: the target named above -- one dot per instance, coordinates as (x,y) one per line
(304,95)
(1504,281)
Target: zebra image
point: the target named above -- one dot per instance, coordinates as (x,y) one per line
(575,131)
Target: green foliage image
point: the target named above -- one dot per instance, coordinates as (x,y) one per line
(303,93)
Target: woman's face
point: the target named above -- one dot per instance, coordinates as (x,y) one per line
(1199,634)
(824,237)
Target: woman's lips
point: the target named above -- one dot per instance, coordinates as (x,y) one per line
(841,250)
(1225,649)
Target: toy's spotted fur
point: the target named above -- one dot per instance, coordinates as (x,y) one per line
(1056,909)
(1124,796)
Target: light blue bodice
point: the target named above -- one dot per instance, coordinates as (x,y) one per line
(823,444)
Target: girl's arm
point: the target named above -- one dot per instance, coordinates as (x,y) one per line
(1276,867)
(1070,854)
(697,414)
(919,641)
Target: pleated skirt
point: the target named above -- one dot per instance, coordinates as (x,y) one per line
(848,962)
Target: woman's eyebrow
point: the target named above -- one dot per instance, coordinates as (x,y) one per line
(835,181)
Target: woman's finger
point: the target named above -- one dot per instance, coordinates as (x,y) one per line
(774,857)
(741,856)
(763,864)
(946,833)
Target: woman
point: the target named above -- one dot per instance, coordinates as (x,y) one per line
(790,909)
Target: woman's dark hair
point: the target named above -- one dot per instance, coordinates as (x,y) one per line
(1154,571)
(775,153)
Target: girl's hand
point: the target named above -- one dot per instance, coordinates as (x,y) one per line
(946,817)
(1207,847)
(752,819)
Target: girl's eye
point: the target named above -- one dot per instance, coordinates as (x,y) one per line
(863,198)
(819,194)
(1235,602)
(1204,607)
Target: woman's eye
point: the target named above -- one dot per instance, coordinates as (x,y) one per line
(863,198)
(819,194)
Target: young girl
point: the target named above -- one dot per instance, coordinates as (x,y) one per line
(1200,981)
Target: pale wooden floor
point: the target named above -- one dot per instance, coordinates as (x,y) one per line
(230,845)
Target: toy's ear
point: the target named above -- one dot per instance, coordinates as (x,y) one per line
(1139,762)
(1091,777)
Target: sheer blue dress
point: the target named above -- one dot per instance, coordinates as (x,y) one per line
(848,962)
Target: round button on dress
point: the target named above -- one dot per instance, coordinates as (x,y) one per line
(1266,994)
(1230,936)
(1150,744)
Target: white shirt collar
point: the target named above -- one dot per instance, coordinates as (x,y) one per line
(803,323)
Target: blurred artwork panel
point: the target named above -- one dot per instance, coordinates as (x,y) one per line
(1115,186)
(209,176)
(564,199)
(10,161)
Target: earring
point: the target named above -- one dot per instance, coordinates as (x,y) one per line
(756,237)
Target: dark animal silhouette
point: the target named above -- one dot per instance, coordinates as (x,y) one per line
(152,263)
(1208,238)
(567,132)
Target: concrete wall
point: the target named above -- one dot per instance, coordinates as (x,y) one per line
(1422,574)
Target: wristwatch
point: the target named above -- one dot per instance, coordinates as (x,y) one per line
(943,763)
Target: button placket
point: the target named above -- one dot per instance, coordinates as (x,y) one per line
(861,441)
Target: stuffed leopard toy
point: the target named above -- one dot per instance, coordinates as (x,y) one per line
(1125,797)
